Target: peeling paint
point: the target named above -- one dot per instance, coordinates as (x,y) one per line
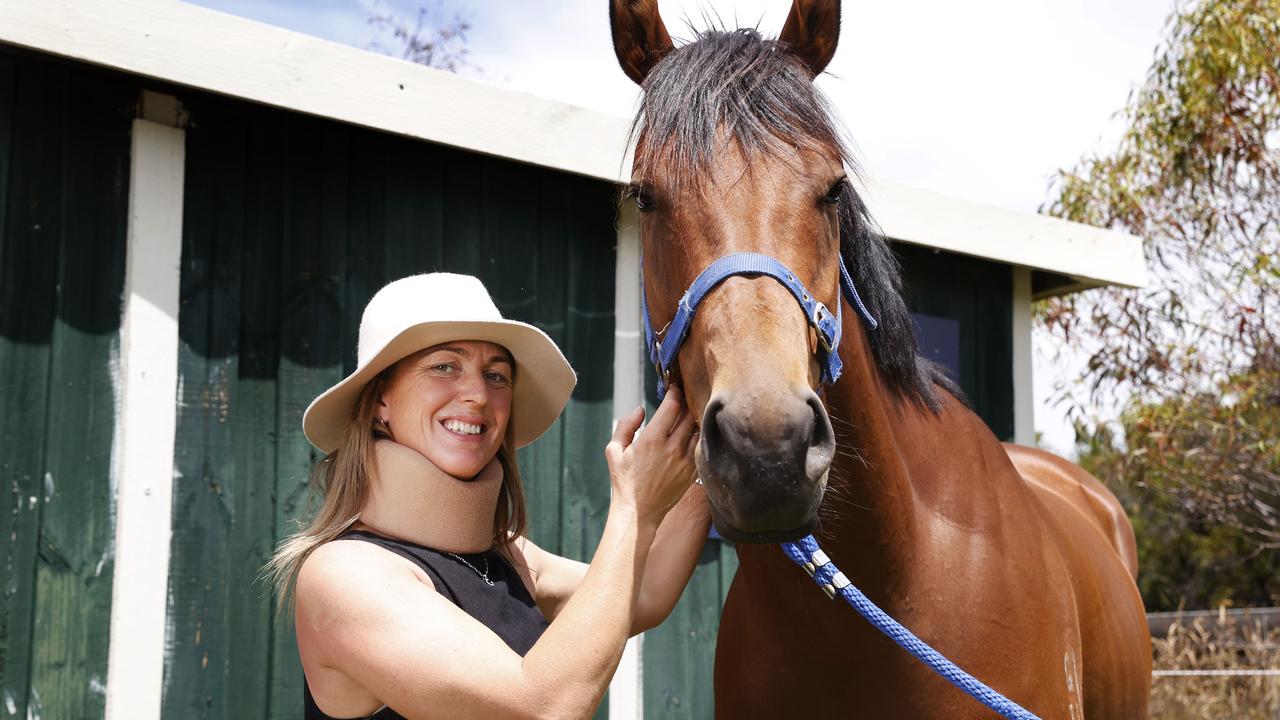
(117,401)
(48,486)
(96,687)
(9,704)
(35,708)
(107,553)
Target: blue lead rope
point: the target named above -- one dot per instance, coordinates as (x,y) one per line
(806,553)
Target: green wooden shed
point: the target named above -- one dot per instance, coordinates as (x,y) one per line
(194,209)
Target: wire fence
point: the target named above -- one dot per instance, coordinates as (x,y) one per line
(1217,664)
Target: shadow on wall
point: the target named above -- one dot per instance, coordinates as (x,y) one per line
(64,182)
(292,224)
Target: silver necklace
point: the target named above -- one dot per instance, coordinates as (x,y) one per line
(483,575)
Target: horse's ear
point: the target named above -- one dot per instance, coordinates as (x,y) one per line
(640,38)
(812,31)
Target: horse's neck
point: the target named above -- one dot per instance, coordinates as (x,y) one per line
(902,470)
(871,504)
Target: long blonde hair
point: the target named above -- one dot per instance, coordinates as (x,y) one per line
(340,482)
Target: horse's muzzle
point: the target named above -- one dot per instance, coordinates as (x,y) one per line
(764,463)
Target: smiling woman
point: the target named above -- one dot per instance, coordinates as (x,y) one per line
(450,402)
(416,591)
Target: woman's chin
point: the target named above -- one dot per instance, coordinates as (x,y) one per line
(463,466)
(461,459)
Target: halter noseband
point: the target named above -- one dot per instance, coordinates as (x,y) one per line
(662,352)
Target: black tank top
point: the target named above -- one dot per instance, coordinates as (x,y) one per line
(506,608)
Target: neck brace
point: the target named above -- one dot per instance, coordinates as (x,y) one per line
(412,499)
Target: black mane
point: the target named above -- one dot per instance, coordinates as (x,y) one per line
(763,99)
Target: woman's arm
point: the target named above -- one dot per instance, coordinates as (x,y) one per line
(672,559)
(408,646)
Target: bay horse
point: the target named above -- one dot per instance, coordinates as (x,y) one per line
(1014,563)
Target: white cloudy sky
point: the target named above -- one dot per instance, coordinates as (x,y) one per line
(982,100)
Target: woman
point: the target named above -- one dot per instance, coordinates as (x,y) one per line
(416,592)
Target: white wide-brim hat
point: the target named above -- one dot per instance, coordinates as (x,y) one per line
(420,311)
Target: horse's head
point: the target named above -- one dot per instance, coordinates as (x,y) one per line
(735,152)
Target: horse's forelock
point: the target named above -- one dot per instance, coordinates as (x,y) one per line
(728,85)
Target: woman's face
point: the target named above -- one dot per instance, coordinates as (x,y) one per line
(451,403)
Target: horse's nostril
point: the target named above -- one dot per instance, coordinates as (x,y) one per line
(822,433)
(712,434)
(822,441)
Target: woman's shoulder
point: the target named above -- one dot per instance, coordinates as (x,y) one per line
(354,601)
(338,565)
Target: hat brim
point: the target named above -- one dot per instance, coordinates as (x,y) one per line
(544,380)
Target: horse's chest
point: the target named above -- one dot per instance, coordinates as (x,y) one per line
(784,649)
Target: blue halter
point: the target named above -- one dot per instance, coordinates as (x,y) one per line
(662,352)
(805,552)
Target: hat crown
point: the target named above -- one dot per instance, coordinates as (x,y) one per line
(425,298)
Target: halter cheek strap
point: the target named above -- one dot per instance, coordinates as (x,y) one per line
(662,352)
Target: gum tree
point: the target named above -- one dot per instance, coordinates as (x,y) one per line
(1196,453)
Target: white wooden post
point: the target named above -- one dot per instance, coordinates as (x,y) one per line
(146,424)
(626,691)
(1024,426)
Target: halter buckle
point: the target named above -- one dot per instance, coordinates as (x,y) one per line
(820,313)
(824,342)
(664,372)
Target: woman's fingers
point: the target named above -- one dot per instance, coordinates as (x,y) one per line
(694,437)
(682,430)
(653,467)
(668,412)
(625,431)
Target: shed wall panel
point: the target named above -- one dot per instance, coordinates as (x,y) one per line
(64,164)
(978,294)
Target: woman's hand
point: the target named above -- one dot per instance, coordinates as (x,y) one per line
(651,470)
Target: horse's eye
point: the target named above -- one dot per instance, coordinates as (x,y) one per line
(837,189)
(642,197)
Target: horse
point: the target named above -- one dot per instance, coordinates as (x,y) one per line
(1012,562)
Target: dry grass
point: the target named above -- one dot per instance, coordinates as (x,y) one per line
(1227,645)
